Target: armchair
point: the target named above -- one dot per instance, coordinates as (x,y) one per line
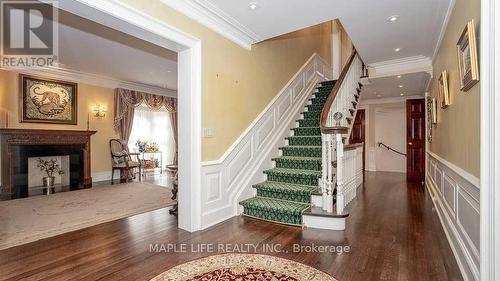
(122,160)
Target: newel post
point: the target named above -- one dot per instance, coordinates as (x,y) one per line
(326,181)
(340,174)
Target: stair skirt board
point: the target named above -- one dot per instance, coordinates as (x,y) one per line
(324,222)
(288,191)
(261,219)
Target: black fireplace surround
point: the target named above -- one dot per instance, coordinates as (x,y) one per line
(21,153)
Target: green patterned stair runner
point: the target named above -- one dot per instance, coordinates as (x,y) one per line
(286,194)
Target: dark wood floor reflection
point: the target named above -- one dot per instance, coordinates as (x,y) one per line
(393,233)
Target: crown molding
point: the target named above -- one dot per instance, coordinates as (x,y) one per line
(400,66)
(443,28)
(389,100)
(207,14)
(94,79)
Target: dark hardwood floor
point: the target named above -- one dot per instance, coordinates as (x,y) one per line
(393,233)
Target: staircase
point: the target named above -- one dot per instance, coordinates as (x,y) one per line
(303,187)
(286,194)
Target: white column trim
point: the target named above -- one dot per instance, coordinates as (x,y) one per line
(336,53)
(490,137)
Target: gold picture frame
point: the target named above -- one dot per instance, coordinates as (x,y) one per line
(434,108)
(444,93)
(467,56)
(43,100)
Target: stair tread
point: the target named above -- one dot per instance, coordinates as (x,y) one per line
(315,127)
(293,172)
(299,158)
(283,186)
(276,204)
(301,146)
(303,137)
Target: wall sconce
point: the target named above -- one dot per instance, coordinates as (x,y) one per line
(99,111)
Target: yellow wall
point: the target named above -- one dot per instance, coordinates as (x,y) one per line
(237,84)
(456,136)
(87,97)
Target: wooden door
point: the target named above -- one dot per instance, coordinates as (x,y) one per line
(415,137)
(358,131)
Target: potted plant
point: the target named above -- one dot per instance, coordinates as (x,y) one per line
(141,145)
(50,167)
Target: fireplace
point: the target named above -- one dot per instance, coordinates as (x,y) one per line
(36,175)
(19,145)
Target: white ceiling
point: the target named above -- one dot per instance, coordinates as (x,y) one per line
(417,32)
(388,87)
(88,47)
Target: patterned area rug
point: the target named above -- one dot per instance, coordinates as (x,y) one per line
(242,267)
(34,218)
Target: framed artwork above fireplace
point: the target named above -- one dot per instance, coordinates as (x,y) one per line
(44,100)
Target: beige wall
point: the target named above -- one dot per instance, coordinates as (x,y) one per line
(87,97)
(347,46)
(237,84)
(456,136)
(375,126)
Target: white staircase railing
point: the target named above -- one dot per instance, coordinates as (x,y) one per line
(337,118)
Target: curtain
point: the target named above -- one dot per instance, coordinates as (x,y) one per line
(173,121)
(127,100)
(124,113)
(154,126)
(171,106)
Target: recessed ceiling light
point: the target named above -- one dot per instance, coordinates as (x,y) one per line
(169,71)
(253,5)
(392,19)
(399,76)
(397,49)
(402,94)
(401,86)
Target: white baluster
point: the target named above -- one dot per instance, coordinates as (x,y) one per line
(340,168)
(324,164)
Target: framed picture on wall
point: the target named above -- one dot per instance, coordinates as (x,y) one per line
(434,111)
(47,101)
(467,57)
(444,93)
(429,118)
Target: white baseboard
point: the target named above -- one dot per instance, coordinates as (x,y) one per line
(101,176)
(228,180)
(456,199)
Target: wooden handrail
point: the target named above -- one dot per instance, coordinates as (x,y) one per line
(390,148)
(329,101)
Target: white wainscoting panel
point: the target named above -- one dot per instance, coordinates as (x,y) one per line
(455,194)
(227,181)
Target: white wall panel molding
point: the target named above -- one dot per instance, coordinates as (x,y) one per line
(229,180)
(455,194)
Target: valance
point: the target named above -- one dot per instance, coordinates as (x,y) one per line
(127,100)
